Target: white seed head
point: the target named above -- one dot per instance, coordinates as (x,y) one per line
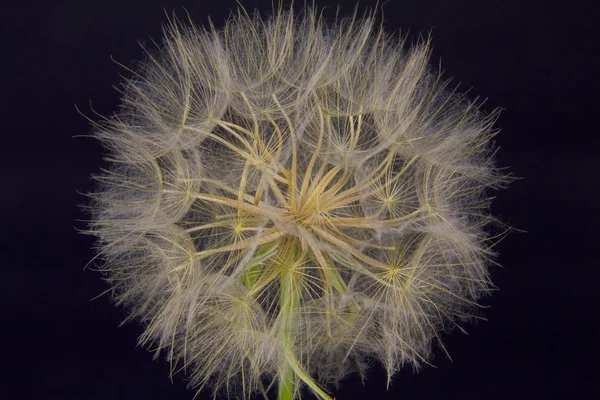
(287,199)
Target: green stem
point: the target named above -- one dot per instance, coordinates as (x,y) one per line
(289,303)
(286,385)
(256,265)
(290,284)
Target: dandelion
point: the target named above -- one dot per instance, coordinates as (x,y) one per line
(287,199)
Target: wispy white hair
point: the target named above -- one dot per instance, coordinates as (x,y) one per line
(287,199)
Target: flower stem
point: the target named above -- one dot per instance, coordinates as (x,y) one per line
(290,285)
(289,297)
(286,385)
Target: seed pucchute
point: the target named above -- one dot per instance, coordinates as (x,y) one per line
(287,199)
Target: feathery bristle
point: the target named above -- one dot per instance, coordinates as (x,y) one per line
(288,199)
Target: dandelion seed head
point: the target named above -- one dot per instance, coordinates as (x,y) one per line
(288,199)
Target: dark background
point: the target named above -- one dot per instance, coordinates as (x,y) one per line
(536,59)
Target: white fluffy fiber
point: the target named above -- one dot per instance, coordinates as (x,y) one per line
(287,200)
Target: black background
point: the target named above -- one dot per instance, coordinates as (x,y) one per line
(536,59)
